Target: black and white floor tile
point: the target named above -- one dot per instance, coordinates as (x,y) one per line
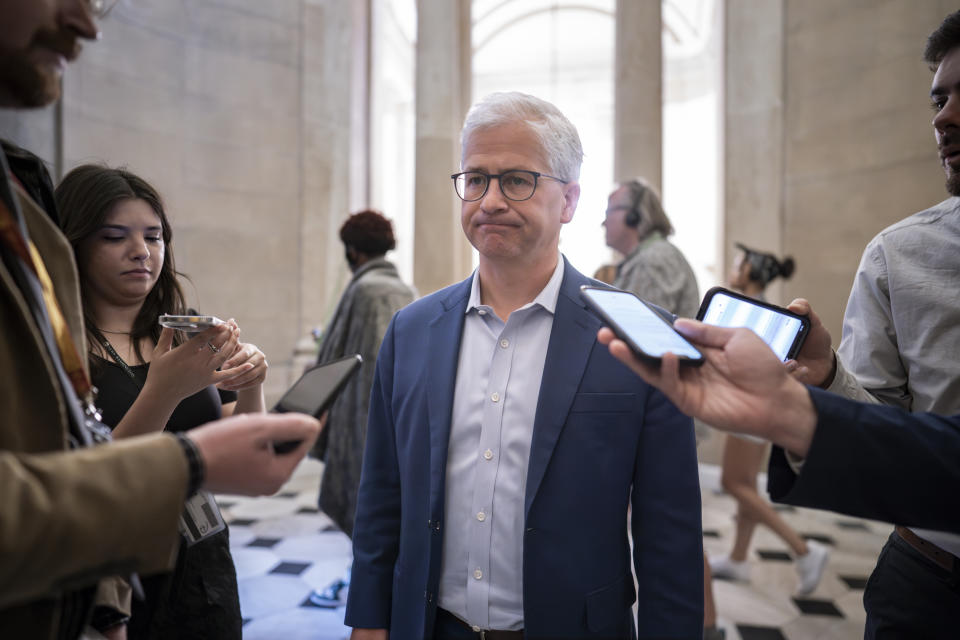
(284,548)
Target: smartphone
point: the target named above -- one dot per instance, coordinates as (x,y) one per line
(315,391)
(782,330)
(636,323)
(189,324)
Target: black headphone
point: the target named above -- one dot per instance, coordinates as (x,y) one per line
(633,218)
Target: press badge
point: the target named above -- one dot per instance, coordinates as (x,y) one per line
(200,518)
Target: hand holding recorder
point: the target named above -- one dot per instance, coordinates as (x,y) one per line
(741,387)
(314,392)
(238,455)
(816,360)
(784,330)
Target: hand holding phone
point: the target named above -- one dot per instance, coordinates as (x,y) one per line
(646,332)
(783,330)
(314,392)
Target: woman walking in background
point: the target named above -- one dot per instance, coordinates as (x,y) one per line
(742,456)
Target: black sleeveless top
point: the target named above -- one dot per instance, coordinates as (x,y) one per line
(200,599)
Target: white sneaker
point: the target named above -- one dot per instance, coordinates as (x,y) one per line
(810,567)
(724,567)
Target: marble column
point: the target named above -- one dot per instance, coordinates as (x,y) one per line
(753,150)
(334,147)
(638,94)
(441,253)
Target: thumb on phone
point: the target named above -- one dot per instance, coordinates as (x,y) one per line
(165,342)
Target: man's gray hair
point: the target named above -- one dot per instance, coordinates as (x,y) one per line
(557,135)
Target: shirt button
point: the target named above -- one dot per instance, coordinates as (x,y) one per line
(495,397)
(481,516)
(477,574)
(504,343)
(481,312)
(476,628)
(488,455)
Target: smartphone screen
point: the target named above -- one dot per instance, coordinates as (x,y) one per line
(314,392)
(647,333)
(316,389)
(781,330)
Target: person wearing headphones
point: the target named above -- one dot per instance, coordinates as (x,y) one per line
(653,268)
(636,226)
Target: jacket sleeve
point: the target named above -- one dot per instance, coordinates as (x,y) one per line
(376,532)
(667,535)
(876,462)
(70,518)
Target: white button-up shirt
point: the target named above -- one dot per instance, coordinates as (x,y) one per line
(494,405)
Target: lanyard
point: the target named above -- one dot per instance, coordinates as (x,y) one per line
(27,252)
(123,365)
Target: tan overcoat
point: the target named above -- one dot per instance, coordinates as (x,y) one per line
(69,518)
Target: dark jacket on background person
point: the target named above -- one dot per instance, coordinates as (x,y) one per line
(373,295)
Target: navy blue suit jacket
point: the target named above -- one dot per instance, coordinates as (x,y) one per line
(878,462)
(601,440)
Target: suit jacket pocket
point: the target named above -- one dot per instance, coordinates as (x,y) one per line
(608,608)
(603,403)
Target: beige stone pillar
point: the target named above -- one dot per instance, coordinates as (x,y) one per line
(753,149)
(638,94)
(441,253)
(334,175)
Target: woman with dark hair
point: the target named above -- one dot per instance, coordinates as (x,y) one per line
(151,379)
(742,456)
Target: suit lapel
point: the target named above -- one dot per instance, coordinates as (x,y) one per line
(443,354)
(571,340)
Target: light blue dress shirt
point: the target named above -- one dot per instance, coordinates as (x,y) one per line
(494,404)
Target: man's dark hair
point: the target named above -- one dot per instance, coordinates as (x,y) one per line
(368,232)
(943,40)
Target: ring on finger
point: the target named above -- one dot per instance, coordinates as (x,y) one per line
(213,347)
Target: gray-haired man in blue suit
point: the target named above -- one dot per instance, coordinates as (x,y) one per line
(505,445)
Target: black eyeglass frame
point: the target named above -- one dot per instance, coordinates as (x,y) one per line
(536,178)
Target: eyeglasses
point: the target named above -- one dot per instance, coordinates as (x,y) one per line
(100,8)
(516,185)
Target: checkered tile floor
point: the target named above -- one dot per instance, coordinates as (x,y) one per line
(283,548)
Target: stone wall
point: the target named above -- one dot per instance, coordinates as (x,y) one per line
(247,117)
(239,113)
(827,133)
